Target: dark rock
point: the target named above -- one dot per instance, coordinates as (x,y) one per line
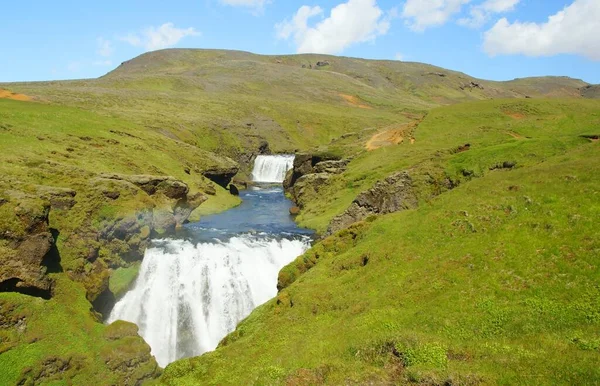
(184,207)
(111,194)
(23,255)
(263,148)
(234,190)
(393,194)
(221,176)
(322,63)
(187,170)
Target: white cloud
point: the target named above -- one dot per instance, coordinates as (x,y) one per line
(422,14)
(167,35)
(574,30)
(356,21)
(481,13)
(105,47)
(398,56)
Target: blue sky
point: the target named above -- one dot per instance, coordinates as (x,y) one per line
(490,39)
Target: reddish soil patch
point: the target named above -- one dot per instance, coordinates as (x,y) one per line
(514,114)
(5,94)
(393,135)
(354,101)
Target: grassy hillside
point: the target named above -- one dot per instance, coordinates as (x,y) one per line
(499,270)
(229,101)
(493,282)
(53,158)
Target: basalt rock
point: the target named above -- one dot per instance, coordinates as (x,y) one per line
(234,190)
(306,164)
(169,186)
(25,247)
(221,176)
(307,185)
(393,194)
(184,207)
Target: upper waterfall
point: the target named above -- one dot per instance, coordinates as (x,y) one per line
(272,168)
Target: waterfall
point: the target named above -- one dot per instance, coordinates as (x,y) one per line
(188,297)
(272,168)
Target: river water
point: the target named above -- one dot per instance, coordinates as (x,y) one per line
(194,288)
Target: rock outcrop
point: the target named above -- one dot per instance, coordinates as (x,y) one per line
(221,176)
(25,245)
(393,194)
(309,173)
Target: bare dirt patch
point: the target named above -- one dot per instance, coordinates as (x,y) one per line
(354,101)
(514,135)
(393,135)
(5,94)
(514,114)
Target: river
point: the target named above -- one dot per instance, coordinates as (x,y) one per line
(194,288)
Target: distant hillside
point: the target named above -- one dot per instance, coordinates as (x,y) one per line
(591,91)
(231,101)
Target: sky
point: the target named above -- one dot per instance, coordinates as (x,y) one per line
(489,39)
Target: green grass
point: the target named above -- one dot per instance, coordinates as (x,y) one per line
(64,330)
(493,282)
(548,128)
(444,296)
(48,148)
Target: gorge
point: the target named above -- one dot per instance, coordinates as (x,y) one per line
(194,287)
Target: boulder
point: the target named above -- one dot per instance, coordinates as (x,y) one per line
(234,190)
(184,208)
(393,194)
(294,210)
(25,248)
(221,175)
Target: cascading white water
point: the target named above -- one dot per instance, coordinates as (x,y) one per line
(272,168)
(188,297)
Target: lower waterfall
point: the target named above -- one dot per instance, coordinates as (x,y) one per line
(188,297)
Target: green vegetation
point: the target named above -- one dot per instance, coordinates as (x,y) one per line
(60,340)
(493,282)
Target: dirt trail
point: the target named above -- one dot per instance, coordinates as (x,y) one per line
(354,101)
(393,135)
(5,94)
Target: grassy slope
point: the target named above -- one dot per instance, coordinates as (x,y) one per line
(228,101)
(541,127)
(45,145)
(493,282)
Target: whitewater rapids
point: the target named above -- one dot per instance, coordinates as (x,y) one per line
(188,297)
(271,168)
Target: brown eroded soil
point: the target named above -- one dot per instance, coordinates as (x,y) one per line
(5,94)
(354,101)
